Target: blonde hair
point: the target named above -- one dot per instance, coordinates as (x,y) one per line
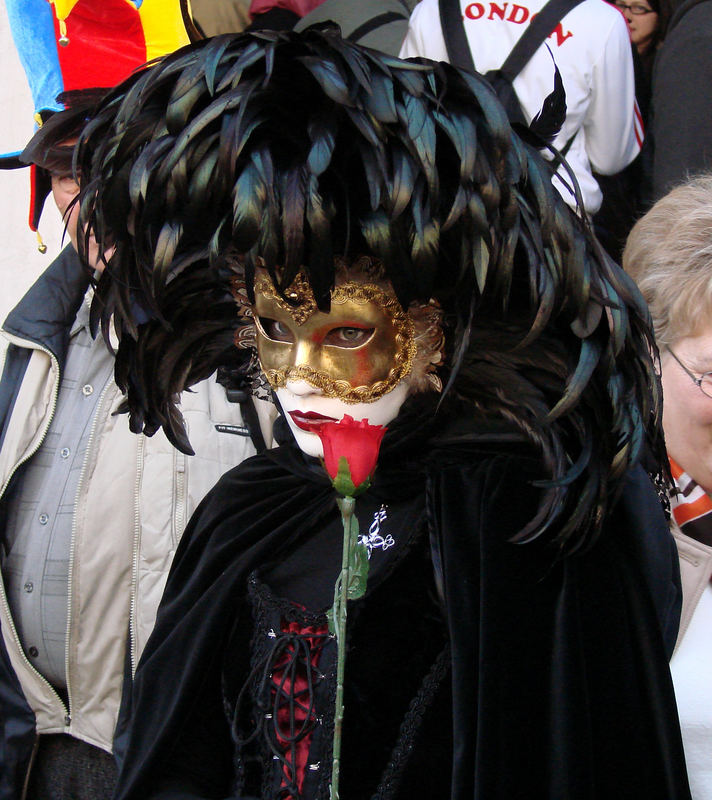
(669,255)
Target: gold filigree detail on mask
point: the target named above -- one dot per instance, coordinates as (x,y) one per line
(342,390)
(245,334)
(430,345)
(304,304)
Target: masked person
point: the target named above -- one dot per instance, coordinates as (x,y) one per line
(397,255)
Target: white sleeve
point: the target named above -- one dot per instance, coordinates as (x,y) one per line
(613,124)
(425,36)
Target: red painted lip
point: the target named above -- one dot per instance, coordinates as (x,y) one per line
(309,420)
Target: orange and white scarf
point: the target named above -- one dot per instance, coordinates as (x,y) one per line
(691,507)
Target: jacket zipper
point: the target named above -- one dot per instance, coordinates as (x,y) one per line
(3,358)
(133,625)
(180,510)
(72,546)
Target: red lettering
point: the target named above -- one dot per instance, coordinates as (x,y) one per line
(474,11)
(518,14)
(561,37)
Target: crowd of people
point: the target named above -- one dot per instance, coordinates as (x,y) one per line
(339,456)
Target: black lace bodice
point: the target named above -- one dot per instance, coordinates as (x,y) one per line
(280,681)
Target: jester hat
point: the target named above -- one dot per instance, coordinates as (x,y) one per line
(70,46)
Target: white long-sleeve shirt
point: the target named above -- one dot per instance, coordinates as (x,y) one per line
(592,50)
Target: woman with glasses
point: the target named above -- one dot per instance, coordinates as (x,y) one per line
(628,194)
(669,254)
(647,21)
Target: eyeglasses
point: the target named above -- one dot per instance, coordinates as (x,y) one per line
(704,382)
(637,9)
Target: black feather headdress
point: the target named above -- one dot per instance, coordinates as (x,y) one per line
(290,149)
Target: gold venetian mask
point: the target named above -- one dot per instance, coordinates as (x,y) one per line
(358,352)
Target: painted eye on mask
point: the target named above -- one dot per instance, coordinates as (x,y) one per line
(341,336)
(348,337)
(275,330)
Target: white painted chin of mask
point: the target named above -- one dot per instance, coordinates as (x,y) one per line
(306,407)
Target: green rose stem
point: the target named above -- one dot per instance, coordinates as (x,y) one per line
(350,477)
(341,590)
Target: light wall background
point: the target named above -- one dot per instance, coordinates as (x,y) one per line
(20,261)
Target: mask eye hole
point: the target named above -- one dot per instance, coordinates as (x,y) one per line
(275,330)
(348,337)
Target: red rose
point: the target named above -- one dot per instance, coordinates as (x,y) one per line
(350,453)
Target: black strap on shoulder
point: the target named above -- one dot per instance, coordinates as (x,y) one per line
(458,48)
(373,24)
(529,42)
(535,35)
(252,421)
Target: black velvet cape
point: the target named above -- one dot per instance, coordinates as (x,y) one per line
(559,674)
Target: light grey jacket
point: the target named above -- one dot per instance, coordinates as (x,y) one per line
(135,496)
(695,572)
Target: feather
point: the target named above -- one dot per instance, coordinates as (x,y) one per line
(374,174)
(577,469)
(481,259)
(420,129)
(321,254)
(213,60)
(355,64)
(426,237)
(462,339)
(143,168)
(547,123)
(248,201)
(400,182)
(385,245)
(166,246)
(462,132)
(253,53)
(322,132)
(202,171)
(543,193)
(269,244)
(216,246)
(618,317)
(293,207)
(588,360)
(408,76)
(478,215)
(329,79)
(496,119)
(457,209)
(365,125)
(380,101)
(237,130)
(193,128)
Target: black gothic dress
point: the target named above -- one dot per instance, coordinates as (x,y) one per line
(477,668)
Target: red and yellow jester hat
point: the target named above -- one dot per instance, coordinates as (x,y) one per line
(70,45)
